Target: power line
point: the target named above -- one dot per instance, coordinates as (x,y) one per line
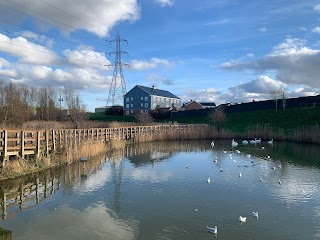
(51,53)
(71,14)
(48,22)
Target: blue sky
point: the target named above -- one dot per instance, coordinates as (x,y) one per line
(205,50)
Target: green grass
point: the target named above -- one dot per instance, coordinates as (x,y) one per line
(291,118)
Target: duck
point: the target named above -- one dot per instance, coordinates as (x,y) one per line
(271,141)
(242,219)
(238,151)
(279,182)
(261,180)
(209,181)
(234,143)
(212,144)
(255,214)
(213,230)
(245,142)
(187,166)
(240,175)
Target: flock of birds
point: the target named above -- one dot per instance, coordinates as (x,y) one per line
(234,144)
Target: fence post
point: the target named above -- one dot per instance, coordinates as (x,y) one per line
(22,144)
(46,134)
(53,140)
(5,147)
(38,144)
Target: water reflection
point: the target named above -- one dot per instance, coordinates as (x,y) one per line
(145,191)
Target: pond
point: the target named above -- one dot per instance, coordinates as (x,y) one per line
(160,190)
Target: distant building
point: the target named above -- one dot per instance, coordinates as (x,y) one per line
(100,109)
(193,105)
(142,99)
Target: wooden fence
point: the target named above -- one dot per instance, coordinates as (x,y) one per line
(26,143)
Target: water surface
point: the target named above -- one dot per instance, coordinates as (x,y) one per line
(160,191)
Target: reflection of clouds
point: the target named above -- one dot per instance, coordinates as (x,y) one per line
(95,222)
(317,217)
(150,175)
(295,188)
(94,182)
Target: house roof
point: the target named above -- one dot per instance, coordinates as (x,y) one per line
(157,92)
(208,104)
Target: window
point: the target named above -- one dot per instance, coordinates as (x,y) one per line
(131,98)
(132,105)
(127,112)
(146,105)
(146,111)
(127,105)
(131,111)
(141,105)
(146,98)
(141,98)
(127,99)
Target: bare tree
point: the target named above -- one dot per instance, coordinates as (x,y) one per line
(283,95)
(46,103)
(218,116)
(76,109)
(275,96)
(144,118)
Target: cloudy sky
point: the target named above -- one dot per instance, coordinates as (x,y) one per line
(206,50)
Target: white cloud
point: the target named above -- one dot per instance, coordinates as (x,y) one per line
(153,63)
(87,57)
(94,16)
(316,30)
(262,84)
(317,8)
(165,3)
(26,51)
(292,60)
(159,79)
(262,29)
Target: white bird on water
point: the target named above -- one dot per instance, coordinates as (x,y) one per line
(279,182)
(245,142)
(212,144)
(234,143)
(240,175)
(255,214)
(261,180)
(213,230)
(209,181)
(242,219)
(271,141)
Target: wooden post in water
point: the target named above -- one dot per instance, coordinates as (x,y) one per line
(53,147)
(46,134)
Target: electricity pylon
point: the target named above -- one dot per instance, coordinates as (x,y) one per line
(118,85)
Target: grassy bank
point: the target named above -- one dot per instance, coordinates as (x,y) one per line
(72,153)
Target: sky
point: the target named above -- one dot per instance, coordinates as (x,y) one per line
(205,50)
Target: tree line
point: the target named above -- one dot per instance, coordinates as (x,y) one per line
(20,103)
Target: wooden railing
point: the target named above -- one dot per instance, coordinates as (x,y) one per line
(26,143)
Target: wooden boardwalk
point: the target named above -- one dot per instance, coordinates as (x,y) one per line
(35,143)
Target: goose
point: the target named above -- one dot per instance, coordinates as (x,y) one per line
(221,170)
(212,144)
(213,230)
(215,160)
(245,142)
(234,143)
(271,141)
(255,214)
(209,181)
(242,219)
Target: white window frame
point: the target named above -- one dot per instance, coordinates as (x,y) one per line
(141,98)
(146,105)
(146,98)
(141,105)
